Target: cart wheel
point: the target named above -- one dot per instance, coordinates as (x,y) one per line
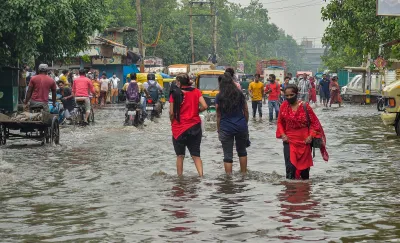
(47,135)
(3,137)
(91,115)
(55,131)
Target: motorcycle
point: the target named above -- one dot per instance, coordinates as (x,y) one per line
(153,109)
(134,114)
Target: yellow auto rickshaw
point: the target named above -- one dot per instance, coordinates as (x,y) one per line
(391,99)
(207,83)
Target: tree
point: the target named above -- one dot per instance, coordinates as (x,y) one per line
(244,33)
(354,30)
(47,29)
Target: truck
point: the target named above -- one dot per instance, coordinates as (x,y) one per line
(279,73)
(271,66)
(175,69)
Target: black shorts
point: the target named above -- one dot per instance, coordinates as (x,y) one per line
(227,141)
(191,139)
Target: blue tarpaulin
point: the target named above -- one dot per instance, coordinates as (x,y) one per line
(164,75)
(128,70)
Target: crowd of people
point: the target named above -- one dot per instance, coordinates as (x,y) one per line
(106,88)
(297,125)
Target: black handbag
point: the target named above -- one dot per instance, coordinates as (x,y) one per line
(316,142)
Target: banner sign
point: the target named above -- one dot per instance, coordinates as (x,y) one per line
(388,7)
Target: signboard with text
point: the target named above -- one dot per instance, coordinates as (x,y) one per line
(388,7)
(115,60)
(153,61)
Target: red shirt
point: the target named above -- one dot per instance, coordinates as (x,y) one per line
(189,112)
(82,86)
(275,91)
(42,84)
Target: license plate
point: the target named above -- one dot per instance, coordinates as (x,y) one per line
(131,113)
(212,100)
(149,108)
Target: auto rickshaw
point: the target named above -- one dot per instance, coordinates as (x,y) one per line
(207,83)
(391,99)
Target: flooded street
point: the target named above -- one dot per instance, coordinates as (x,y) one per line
(109,183)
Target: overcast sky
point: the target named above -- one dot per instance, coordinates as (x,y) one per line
(299,18)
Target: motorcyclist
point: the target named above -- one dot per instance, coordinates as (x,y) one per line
(136,93)
(153,88)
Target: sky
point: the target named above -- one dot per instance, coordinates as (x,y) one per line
(299,18)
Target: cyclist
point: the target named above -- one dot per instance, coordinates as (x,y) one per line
(81,88)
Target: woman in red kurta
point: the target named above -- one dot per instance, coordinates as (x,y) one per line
(297,137)
(335,92)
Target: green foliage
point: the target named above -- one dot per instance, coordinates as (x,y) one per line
(47,29)
(247,27)
(354,30)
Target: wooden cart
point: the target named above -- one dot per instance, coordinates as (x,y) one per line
(46,131)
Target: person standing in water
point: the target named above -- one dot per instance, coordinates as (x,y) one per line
(256,90)
(186,103)
(273,90)
(325,84)
(232,119)
(297,126)
(335,92)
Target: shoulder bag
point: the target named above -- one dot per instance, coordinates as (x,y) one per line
(316,142)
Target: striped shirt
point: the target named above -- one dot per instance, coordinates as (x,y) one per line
(304,86)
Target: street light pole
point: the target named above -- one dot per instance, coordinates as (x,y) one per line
(140,34)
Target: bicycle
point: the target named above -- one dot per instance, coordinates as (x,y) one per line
(80,112)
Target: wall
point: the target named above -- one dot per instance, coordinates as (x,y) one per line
(110,69)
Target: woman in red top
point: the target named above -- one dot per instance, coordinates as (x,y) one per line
(313,91)
(297,137)
(185,121)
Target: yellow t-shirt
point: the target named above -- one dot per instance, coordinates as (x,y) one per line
(257,90)
(64,79)
(125,87)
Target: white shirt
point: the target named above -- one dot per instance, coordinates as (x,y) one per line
(146,85)
(104,84)
(114,82)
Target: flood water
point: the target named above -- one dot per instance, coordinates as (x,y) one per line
(109,183)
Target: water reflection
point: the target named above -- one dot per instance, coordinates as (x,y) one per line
(296,205)
(229,194)
(183,191)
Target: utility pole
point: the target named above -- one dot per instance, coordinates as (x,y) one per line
(214,13)
(214,25)
(140,34)
(368,81)
(191,31)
